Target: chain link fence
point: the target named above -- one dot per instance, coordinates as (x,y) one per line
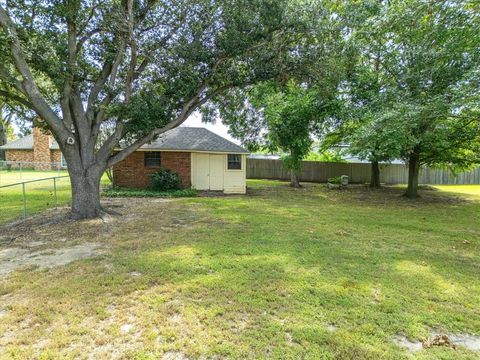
(25,191)
(21,200)
(19,171)
(27,188)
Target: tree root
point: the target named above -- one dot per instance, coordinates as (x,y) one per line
(110,211)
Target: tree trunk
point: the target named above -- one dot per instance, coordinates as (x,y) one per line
(294,182)
(85,195)
(413,171)
(375,176)
(3,134)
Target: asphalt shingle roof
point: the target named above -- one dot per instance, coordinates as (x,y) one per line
(180,138)
(194,139)
(25,143)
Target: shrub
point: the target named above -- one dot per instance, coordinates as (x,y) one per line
(165,180)
(335,180)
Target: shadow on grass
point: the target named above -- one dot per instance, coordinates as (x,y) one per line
(262,276)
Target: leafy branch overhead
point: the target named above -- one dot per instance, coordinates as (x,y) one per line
(285,114)
(414,91)
(137,67)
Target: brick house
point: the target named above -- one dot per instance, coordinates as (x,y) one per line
(37,150)
(204,161)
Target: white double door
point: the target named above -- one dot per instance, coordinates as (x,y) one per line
(209,170)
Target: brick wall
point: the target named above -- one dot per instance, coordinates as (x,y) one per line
(19,155)
(41,149)
(132,173)
(55,156)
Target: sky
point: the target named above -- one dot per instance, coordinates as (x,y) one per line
(193,121)
(218,128)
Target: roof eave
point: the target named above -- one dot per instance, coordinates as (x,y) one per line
(14,148)
(188,150)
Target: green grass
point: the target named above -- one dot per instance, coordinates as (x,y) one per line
(39,197)
(39,194)
(15,176)
(469,190)
(261,276)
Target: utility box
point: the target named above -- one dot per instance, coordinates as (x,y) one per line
(344,180)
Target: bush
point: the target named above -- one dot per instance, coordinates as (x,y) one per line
(125,192)
(335,180)
(165,180)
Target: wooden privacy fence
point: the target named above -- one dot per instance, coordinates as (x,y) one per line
(314,171)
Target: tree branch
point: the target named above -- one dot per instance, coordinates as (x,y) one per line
(30,87)
(9,95)
(86,37)
(189,107)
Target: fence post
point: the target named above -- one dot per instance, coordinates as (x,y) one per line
(24,202)
(55,192)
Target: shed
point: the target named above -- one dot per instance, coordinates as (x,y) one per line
(203,160)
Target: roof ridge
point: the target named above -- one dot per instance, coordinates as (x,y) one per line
(194,139)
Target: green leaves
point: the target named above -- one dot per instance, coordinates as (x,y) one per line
(155,58)
(415,88)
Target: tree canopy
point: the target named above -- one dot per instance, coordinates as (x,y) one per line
(137,67)
(289,111)
(106,77)
(414,92)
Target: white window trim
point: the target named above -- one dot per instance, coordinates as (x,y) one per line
(63,161)
(241,163)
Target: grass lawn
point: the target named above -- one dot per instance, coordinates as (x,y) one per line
(472,191)
(39,195)
(15,176)
(280,274)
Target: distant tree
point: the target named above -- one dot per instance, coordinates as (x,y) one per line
(417,92)
(10,113)
(3,131)
(371,134)
(286,113)
(291,114)
(137,67)
(278,117)
(325,156)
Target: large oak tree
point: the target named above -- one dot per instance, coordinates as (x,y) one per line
(132,69)
(416,88)
(413,92)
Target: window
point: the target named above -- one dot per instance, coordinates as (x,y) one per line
(234,162)
(63,162)
(152,159)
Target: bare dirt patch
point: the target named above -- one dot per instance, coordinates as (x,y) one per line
(410,345)
(52,239)
(12,259)
(468,341)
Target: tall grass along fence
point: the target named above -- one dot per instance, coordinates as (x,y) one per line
(18,171)
(23,199)
(30,165)
(314,171)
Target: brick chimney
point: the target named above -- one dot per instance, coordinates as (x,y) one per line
(41,149)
